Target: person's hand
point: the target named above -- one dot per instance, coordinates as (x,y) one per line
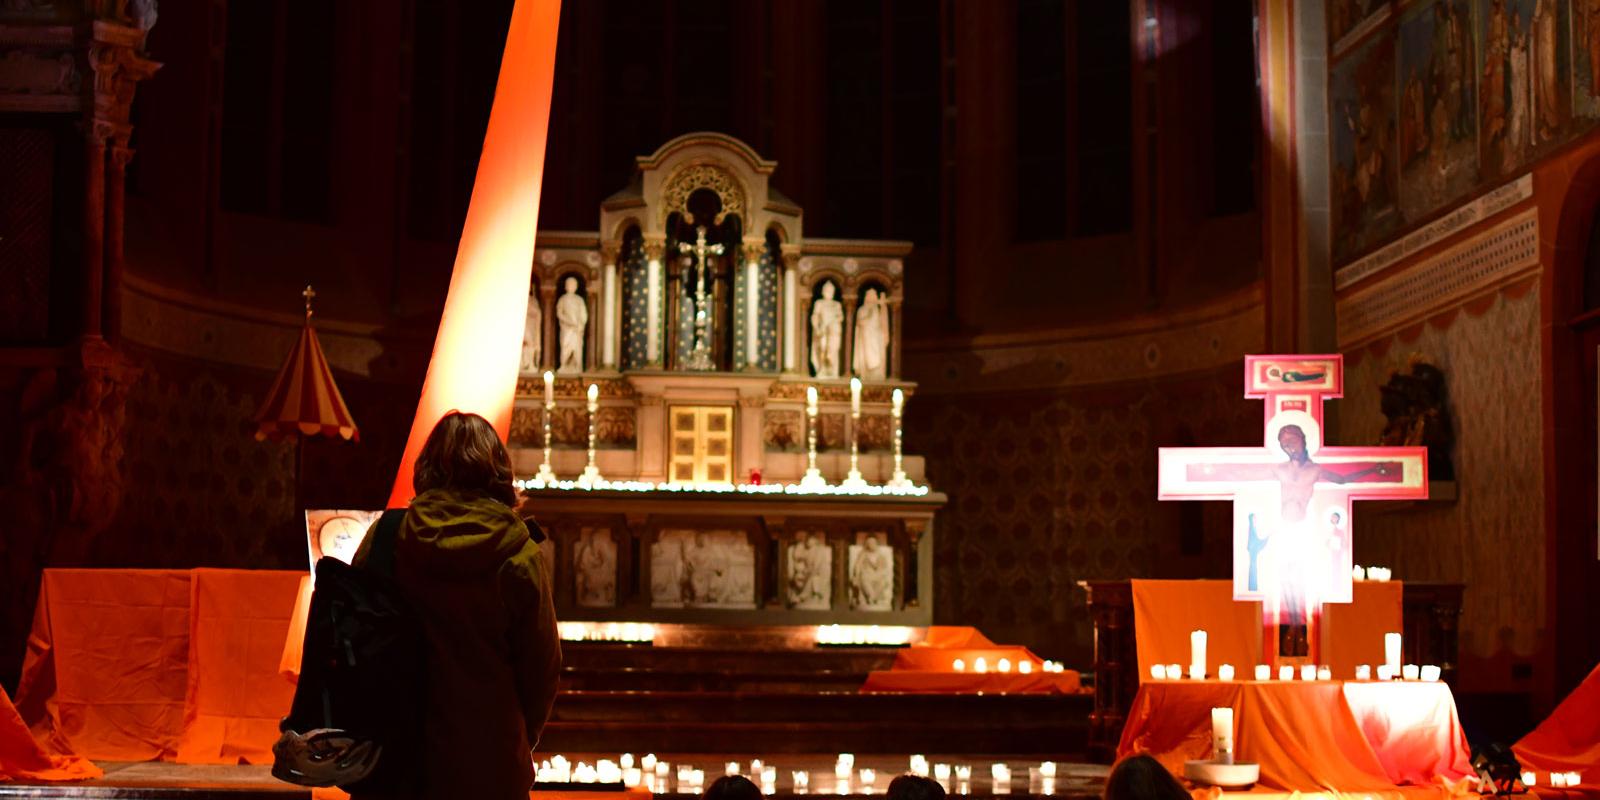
(524,507)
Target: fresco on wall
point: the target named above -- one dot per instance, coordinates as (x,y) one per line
(1585,18)
(1526,81)
(1363,176)
(1347,17)
(1437,116)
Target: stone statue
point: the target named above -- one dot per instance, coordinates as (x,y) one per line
(871,352)
(827,325)
(533,336)
(572,314)
(871,575)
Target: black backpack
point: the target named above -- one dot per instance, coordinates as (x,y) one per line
(358,711)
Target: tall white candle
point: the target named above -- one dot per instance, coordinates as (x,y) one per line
(1391,652)
(594,393)
(811,400)
(1222,735)
(855,395)
(549,387)
(899,401)
(1197,654)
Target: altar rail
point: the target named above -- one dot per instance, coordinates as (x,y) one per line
(1431,617)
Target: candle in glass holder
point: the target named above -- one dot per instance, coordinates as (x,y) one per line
(1222,735)
(869,776)
(1391,652)
(1363,672)
(1410,672)
(1004,665)
(1324,673)
(980,664)
(730,768)
(1047,769)
(1263,672)
(958,665)
(1308,672)
(1025,667)
(1225,672)
(1286,673)
(1430,672)
(1529,778)
(769,775)
(941,772)
(919,765)
(1158,671)
(1174,672)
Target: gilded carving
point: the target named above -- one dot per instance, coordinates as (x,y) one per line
(614,426)
(876,432)
(830,432)
(783,430)
(694,177)
(527,427)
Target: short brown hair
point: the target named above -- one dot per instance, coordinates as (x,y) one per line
(464,453)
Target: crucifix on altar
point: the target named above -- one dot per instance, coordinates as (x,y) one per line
(700,356)
(1292,497)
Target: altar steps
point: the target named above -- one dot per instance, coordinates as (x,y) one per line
(590,667)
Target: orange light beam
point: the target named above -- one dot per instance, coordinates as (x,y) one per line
(475,354)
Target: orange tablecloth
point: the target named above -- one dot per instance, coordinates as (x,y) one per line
(927,668)
(22,759)
(1309,735)
(139,665)
(1165,612)
(1569,739)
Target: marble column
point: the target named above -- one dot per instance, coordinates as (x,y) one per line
(593,293)
(655,283)
(896,336)
(94,222)
(751,303)
(847,358)
(611,317)
(550,348)
(789,338)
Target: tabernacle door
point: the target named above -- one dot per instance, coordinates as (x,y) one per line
(701,444)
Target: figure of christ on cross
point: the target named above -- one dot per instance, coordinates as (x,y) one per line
(1292,498)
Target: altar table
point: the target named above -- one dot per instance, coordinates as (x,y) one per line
(1309,735)
(175,665)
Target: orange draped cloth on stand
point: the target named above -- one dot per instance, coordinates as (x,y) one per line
(1310,735)
(22,759)
(1569,739)
(926,667)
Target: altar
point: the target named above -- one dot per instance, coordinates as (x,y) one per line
(708,418)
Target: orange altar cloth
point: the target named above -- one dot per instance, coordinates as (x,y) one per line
(174,665)
(1568,740)
(927,667)
(1309,735)
(1165,612)
(22,759)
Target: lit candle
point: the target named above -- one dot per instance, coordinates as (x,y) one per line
(1025,667)
(869,776)
(1285,673)
(801,778)
(769,775)
(1004,665)
(841,771)
(811,400)
(1573,779)
(1225,672)
(1558,779)
(1530,779)
(899,401)
(919,765)
(1263,672)
(1197,655)
(730,768)
(594,394)
(1410,672)
(626,761)
(958,665)
(1222,735)
(648,763)
(663,769)
(1385,673)
(1047,769)
(855,395)
(1324,673)
(549,387)
(847,759)
(1391,652)
(979,664)
(755,767)
(632,776)
(941,772)
(1308,672)
(1430,672)
(1001,773)
(1364,672)
(964,772)
(1357,573)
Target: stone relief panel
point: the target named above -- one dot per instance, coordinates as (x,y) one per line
(702,569)
(808,578)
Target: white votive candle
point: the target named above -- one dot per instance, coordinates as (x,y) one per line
(980,664)
(1558,779)
(1324,673)
(841,771)
(1357,573)
(963,772)
(1391,652)
(1410,672)
(662,768)
(941,772)
(1385,673)
(1225,672)
(1363,672)
(1197,654)
(1158,671)
(1174,672)
(1004,665)
(1047,769)
(919,765)
(958,665)
(1001,774)
(769,775)
(626,762)
(869,776)
(1430,672)
(730,768)
(1530,779)
(1263,672)
(1573,779)
(1286,673)
(1025,667)
(1308,672)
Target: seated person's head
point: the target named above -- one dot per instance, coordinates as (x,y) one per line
(1141,777)
(732,787)
(915,787)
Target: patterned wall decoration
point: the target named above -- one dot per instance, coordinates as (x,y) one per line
(635,311)
(1047,489)
(1491,538)
(766,313)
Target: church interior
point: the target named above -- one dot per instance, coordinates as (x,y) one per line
(875,363)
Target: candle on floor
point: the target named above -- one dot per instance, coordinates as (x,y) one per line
(1324,673)
(1308,672)
(1222,735)
(730,768)
(1410,672)
(1225,672)
(1363,672)
(1197,655)
(1025,667)
(1004,665)
(1529,778)
(1391,652)
(1286,673)
(980,664)
(1430,672)
(958,665)
(1263,672)
(1047,769)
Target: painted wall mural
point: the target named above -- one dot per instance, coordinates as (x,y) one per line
(1363,177)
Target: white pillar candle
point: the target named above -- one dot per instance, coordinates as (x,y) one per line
(958,665)
(919,765)
(632,776)
(899,399)
(1222,735)
(730,768)
(847,759)
(1225,672)
(855,395)
(1308,672)
(1197,654)
(980,664)
(663,769)
(869,776)
(549,387)
(1001,773)
(811,400)
(1263,672)
(1430,672)
(1364,672)
(1530,779)
(1410,672)
(1391,652)
(1285,673)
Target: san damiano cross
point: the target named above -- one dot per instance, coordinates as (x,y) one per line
(1292,496)
(700,356)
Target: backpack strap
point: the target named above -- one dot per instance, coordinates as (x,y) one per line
(380,558)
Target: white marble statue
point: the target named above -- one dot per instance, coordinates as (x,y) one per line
(596,573)
(533,336)
(572,314)
(871,575)
(871,354)
(810,574)
(827,327)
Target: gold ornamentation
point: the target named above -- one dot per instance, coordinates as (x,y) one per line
(694,177)
(526,427)
(877,432)
(614,426)
(783,430)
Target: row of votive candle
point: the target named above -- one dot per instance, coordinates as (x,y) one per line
(1557,780)
(1379,574)
(1306,672)
(1023,666)
(558,769)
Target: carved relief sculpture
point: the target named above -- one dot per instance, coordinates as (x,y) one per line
(871,574)
(810,574)
(827,327)
(572,314)
(871,357)
(702,569)
(595,569)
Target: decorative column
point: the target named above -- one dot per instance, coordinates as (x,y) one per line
(655,247)
(94,221)
(847,358)
(594,293)
(121,154)
(751,303)
(118,66)
(896,335)
(790,336)
(611,318)
(551,347)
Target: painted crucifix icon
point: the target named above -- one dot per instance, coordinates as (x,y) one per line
(1292,497)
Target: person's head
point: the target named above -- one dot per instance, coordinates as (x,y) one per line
(732,787)
(915,787)
(1293,442)
(1141,777)
(465,454)
(827,290)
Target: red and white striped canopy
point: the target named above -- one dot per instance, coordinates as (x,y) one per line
(304,399)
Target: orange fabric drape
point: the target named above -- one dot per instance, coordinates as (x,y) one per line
(22,759)
(928,668)
(475,354)
(1165,612)
(1309,736)
(1569,739)
(174,665)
